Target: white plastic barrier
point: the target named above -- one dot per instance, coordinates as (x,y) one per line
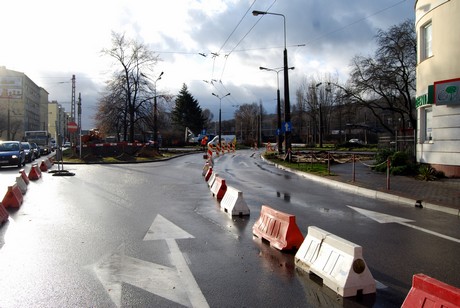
(212,179)
(337,261)
(233,203)
(48,163)
(21,184)
(205,169)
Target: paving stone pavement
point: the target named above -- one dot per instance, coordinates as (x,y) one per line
(442,192)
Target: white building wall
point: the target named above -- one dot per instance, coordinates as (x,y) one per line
(443,150)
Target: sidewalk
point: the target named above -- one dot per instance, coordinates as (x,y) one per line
(441,193)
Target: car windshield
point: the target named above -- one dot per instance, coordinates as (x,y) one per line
(9,146)
(26,146)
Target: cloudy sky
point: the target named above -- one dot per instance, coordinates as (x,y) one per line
(210,45)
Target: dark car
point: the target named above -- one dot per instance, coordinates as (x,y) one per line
(36,149)
(30,155)
(12,153)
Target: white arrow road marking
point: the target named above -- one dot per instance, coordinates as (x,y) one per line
(195,295)
(154,278)
(385,218)
(163,229)
(175,284)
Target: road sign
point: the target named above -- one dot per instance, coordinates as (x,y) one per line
(72,127)
(287,127)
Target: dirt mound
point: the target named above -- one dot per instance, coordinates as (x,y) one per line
(148,152)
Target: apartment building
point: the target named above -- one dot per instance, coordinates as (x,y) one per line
(23,105)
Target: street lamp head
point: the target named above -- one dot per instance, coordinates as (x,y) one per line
(257,13)
(161,74)
(291,68)
(318,84)
(215,95)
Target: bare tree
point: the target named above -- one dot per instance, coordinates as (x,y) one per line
(131,82)
(248,117)
(385,83)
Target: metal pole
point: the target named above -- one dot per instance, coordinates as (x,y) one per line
(9,121)
(278,124)
(388,173)
(354,170)
(220,120)
(287,105)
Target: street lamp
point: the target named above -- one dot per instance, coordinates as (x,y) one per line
(155,124)
(220,113)
(320,118)
(287,104)
(278,105)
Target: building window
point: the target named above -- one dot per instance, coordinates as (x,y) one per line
(428,124)
(426,41)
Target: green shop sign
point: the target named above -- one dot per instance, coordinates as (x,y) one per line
(425,99)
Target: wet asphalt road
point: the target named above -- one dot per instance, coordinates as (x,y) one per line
(151,235)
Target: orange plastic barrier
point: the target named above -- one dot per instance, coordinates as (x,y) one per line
(24,176)
(13,197)
(218,188)
(279,228)
(3,214)
(34,173)
(429,292)
(43,166)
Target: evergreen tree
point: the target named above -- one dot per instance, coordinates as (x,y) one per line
(187,112)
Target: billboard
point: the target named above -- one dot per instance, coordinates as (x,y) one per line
(11,87)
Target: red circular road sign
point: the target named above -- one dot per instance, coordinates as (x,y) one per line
(72,127)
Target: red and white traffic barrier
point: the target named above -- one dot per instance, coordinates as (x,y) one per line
(429,292)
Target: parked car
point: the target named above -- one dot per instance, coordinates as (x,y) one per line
(29,153)
(12,153)
(66,144)
(36,149)
(357,141)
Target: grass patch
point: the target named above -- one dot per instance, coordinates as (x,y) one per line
(314,168)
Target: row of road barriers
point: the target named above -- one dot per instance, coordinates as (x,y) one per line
(231,199)
(16,191)
(338,262)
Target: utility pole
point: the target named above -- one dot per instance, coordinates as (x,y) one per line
(72,101)
(79,122)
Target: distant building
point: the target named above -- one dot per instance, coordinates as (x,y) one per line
(23,105)
(57,120)
(438,84)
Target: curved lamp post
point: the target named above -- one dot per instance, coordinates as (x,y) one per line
(220,113)
(155,120)
(287,104)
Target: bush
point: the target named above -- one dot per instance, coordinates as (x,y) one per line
(401,162)
(426,173)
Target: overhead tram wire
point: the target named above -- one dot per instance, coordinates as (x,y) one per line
(239,42)
(325,34)
(236,27)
